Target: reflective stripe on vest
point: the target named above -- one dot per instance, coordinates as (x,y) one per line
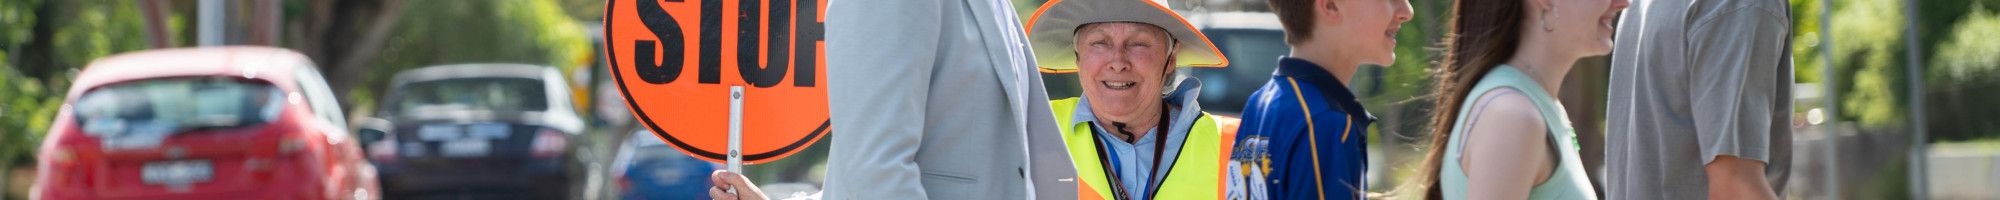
(1188,179)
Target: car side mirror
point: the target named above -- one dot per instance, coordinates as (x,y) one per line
(372,130)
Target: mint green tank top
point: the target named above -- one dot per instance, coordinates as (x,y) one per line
(1568,181)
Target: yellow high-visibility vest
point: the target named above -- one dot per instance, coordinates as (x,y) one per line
(1196,174)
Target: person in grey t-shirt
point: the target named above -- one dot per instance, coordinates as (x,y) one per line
(1700,100)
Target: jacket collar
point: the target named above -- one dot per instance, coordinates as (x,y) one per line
(1329,87)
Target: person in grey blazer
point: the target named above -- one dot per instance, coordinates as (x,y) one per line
(934,98)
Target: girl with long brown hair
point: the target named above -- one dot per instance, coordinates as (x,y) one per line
(1499,132)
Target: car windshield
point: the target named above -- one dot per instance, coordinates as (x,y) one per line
(497,94)
(143,112)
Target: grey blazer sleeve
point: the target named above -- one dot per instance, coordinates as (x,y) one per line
(877,121)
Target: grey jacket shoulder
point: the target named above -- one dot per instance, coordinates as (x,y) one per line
(937,99)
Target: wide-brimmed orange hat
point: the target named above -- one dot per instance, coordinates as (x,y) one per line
(1052,31)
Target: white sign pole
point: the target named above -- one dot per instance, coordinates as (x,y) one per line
(735,131)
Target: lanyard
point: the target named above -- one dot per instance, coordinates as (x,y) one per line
(1108,157)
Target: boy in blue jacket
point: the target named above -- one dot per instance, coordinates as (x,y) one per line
(1303,133)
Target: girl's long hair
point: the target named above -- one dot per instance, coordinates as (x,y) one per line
(1482,35)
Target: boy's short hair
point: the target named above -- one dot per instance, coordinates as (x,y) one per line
(1297,18)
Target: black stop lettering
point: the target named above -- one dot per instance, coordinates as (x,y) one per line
(662,26)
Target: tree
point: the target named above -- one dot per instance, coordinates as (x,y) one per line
(1963,72)
(1868,57)
(26,109)
(41,46)
(342,37)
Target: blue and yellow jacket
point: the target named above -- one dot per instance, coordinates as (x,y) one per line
(1303,136)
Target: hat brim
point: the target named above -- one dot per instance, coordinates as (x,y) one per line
(1052,31)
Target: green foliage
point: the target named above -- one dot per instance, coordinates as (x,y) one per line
(1868,57)
(99,28)
(1869,54)
(36,67)
(583,10)
(1938,17)
(524,31)
(26,110)
(1806,62)
(1968,52)
(1871,37)
(17,13)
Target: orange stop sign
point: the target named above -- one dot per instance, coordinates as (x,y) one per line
(675,61)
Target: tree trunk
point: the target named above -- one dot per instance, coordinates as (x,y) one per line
(6,176)
(37,58)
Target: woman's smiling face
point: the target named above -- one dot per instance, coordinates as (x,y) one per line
(1123,67)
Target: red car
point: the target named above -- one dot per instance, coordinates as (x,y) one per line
(202,123)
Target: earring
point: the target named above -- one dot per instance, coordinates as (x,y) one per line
(1545,20)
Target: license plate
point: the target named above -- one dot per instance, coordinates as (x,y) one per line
(439,132)
(465,148)
(177,172)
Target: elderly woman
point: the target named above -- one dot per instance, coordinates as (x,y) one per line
(1136,132)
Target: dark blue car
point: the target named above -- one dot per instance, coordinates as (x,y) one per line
(477,131)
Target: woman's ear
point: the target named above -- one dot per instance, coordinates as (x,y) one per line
(1542,8)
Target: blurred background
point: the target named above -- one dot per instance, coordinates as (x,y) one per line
(1888,101)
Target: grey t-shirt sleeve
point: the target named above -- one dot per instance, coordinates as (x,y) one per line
(1733,55)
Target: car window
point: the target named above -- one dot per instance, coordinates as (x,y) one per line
(320,97)
(498,94)
(559,86)
(142,112)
